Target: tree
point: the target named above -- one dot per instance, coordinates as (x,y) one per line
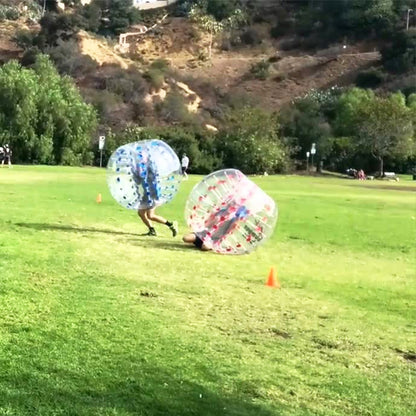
(308,120)
(385,128)
(199,14)
(43,116)
(221,9)
(380,126)
(346,113)
(400,55)
(110,16)
(250,142)
(55,27)
(207,23)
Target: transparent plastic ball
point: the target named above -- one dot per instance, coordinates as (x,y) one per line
(143,174)
(230,213)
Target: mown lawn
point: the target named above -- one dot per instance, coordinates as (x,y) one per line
(98,320)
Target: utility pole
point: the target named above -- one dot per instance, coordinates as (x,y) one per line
(408,18)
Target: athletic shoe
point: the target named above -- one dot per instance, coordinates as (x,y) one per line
(174,228)
(151,233)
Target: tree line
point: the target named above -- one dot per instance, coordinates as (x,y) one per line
(45,120)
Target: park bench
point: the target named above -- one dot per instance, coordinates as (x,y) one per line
(390,176)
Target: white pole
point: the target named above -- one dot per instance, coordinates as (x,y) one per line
(408,18)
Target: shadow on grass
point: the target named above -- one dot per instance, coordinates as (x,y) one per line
(147,391)
(138,240)
(154,242)
(69,228)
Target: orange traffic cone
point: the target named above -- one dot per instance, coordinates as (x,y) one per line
(272,280)
(99,199)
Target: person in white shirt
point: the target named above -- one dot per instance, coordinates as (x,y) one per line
(185,165)
(7,155)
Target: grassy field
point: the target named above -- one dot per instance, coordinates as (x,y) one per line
(98,320)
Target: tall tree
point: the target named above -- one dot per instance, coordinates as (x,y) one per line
(385,128)
(43,116)
(381,126)
(111,16)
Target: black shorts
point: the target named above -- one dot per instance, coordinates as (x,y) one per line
(198,242)
(184,170)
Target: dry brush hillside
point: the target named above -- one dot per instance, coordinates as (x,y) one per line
(203,82)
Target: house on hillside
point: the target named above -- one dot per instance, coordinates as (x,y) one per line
(140,4)
(152,4)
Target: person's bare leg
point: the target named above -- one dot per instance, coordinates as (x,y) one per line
(189,238)
(152,216)
(143,216)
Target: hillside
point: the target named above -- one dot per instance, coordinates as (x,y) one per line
(206,83)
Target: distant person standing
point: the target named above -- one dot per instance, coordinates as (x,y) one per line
(7,155)
(185,165)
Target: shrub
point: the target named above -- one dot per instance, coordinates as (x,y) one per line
(221,9)
(239,99)
(69,60)
(69,158)
(57,26)
(400,56)
(371,78)
(24,38)
(105,102)
(251,37)
(155,77)
(260,70)
(9,12)
(279,29)
(161,65)
(174,108)
(129,85)
(29,56)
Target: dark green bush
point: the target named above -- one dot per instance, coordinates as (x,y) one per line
(24,38)
(251,37)
(400,55)
(68,59)
(130,85)
(371,78)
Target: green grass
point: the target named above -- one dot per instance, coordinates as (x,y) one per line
(98,320)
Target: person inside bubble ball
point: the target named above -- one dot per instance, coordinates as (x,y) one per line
(219,225)
(197,240)
(147,180)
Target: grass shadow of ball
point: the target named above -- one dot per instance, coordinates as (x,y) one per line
(141,240)
(70,228)
(155,242)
